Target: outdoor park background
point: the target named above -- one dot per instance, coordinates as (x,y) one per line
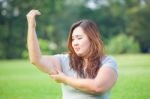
(123,24)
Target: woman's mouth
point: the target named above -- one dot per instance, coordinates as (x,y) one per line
(77,49)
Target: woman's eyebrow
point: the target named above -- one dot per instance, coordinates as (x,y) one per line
(76,36)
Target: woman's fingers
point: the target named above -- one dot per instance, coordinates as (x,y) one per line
(38,12)
(31,17)
(33,13)
(58,77)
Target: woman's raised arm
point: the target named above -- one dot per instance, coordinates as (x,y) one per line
(48,64)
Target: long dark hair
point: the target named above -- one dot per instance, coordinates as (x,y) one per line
(95,52)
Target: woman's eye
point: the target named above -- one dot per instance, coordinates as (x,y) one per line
(80,38)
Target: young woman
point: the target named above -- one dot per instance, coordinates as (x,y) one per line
(85,72)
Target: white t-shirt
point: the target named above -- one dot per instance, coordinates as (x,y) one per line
(69,92)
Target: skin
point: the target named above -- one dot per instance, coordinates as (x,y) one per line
(104,80)
(46,63)
(80,42)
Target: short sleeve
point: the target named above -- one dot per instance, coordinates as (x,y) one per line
(64,60)
(60,57)
(109,61)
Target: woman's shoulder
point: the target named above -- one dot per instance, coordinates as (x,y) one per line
(108,58)
(62,57)
(109,61)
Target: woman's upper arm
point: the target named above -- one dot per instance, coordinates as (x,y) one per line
(105,79)
(49,64)
(107,74)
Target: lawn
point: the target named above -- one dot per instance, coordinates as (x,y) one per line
(21,80)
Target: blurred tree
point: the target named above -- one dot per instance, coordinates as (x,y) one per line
(112,16)
(122,44)
(138,25)
(109,15)
(116,16)
(13,24)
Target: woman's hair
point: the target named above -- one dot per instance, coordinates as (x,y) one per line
(95,51)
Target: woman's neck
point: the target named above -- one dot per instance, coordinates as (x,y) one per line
(85,62)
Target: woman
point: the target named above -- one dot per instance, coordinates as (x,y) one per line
(85,72)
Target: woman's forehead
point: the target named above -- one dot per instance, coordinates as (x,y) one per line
(78,32)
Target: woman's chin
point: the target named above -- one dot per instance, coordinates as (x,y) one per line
(83,55)
(79,54)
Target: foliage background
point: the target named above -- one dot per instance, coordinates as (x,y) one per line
(113,17)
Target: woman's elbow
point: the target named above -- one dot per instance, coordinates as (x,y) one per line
(32,61)
(97,90)
(37,64)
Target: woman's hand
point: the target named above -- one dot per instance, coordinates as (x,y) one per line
(60,77)
(31,18)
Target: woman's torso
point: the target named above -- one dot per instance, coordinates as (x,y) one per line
(69,92)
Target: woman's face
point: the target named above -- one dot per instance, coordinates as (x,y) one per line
(80,42)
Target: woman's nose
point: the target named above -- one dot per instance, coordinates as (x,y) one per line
(75,43)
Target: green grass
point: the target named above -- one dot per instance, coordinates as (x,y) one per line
(21,80)
(134,77)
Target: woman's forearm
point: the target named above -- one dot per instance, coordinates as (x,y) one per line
(32,42)
(86,85)
(33,46)
(104,81)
